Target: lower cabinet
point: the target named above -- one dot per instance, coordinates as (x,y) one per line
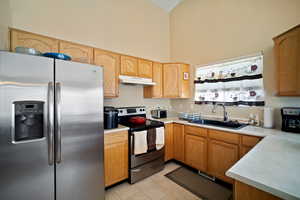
(247,143)
(221,156)
(169,143)
(246,192)
(196,152)
(178,134)
(115,157)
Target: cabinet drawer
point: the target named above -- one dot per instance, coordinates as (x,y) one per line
(224,136)
(250,140)
(192,130)
(111,138)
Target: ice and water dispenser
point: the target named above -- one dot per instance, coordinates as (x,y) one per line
(28,120)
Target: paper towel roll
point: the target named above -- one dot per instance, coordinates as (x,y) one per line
(268,117)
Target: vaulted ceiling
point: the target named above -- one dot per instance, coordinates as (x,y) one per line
(167,5)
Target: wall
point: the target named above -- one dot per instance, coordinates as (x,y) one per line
(5,21)
(207,31)
(138,28)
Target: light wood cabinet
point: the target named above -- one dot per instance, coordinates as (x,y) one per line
(247,143)
(169,142)
(79,53)
(155,91)
(41,43)
(115,157)
(144,68)
(287,51)
(176,83)
(221,156)
(196,152)
(246,192)
(129,66)
(111,64)
(178,134)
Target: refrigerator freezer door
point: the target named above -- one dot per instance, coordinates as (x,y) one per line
(79,131)
(25,166)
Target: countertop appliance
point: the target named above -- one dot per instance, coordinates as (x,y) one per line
(51,117)
(290,119)
(147,164)
(110,117)
(159,113)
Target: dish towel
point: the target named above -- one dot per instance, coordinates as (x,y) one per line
(140,142)
(151,139)
(160,138)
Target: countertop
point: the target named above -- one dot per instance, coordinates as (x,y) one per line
(120,128)
(273,165)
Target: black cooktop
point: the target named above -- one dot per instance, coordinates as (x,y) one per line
(140,127)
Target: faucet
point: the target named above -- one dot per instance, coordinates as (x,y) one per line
(225,114)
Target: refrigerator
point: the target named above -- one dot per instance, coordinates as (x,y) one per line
(51,129)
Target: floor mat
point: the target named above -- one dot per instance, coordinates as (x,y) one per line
(198,185)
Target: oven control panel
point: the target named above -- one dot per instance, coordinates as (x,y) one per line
(127,111)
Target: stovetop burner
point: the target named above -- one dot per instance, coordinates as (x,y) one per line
(140,127)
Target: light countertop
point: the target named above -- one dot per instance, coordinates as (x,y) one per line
(120,128)
(273,165)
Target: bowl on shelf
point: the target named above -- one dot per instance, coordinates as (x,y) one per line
(30,51)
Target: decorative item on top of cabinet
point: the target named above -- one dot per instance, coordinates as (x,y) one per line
(41,43)
(144,68)
(129,66)
(115,157)
(178,139)
(169,142)
(176,80)
(111,63)
(79,53)
(155,91)
(287,51)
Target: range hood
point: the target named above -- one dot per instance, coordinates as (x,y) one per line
(136,80)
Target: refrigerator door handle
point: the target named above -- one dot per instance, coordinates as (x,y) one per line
(50,128)
(58,122)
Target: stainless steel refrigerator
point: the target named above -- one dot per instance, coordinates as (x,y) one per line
(51,129)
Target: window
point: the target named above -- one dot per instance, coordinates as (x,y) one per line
(234,82)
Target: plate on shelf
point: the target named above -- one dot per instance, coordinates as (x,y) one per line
(57,55)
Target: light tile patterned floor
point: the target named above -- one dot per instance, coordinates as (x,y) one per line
(156,187)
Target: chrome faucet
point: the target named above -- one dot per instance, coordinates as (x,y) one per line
(225,114)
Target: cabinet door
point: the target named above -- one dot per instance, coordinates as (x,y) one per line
(171,80)
(111,63)
(169,146)
(155,91)
(178,139)
(129,66)
(79,53)
(115,157)
(144,68)
(221,156)
(244,150)
(24,39)
(287,51)
(196,152)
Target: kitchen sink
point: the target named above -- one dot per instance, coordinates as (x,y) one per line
(228,124)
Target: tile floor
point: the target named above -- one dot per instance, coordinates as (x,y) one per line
(156,187)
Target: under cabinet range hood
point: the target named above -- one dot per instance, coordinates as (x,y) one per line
(135,80)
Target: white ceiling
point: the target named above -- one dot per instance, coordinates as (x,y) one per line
(167,5)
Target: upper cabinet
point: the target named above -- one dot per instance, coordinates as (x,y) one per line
(287,53)
(79,53)
(145,68)
(155,91)
(129,66)
(176,80)
(41,43)
(111,63)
